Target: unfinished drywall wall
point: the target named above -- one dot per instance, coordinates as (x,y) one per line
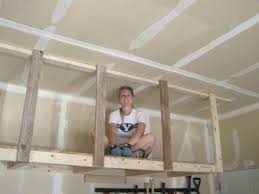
(11,116)
(77,123)
(62,128)
(28,181)
(239,182)
(46,123)
(188,142)
(80,124)
(239,138)
(20,181)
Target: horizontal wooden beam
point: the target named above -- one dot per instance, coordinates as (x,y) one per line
(88,178)
(52,158)
(83,170)
(132,163)
(59,61)
(41,167)
(145,173)
(193,167)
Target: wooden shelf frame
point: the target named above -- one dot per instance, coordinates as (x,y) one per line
(85,67)
(84,161)
(17,155)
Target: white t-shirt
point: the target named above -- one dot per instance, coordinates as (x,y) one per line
(130,123)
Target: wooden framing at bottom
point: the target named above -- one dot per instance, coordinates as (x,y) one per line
(83,163)
(89,178)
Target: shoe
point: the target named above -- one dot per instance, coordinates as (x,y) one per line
(139,154)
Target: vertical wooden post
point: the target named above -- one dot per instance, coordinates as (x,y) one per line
(24,145)
(166,131)
(216,133)
(100,116)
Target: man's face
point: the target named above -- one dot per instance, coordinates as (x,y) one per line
(126,98)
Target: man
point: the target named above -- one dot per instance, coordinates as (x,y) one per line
(128,132)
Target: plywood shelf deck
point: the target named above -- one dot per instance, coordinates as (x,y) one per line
(40,158)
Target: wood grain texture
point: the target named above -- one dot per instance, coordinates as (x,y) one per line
(216,132)
(166,129)
(24,145)
(100,116)
(116,166)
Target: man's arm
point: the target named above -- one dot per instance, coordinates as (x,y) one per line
(112,133)
(138,133)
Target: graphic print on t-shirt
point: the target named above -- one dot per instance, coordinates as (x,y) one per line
(126,127)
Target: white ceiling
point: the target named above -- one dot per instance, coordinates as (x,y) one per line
(212,46)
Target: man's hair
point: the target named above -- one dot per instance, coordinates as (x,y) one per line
(126,88)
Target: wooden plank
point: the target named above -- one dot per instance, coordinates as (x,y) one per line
(59,158)
(166,129)
(132,163)
(107,172)
(216,133)
(193,167)
(46,167)
(104,179)
(15,50)
(113,165)
(83,170)
(145,173)
(59,61)
(24,145)
(8,153)
(100,116)
(135,172)
(74,65)
(99,171)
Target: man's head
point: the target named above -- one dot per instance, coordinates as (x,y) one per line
(126,95)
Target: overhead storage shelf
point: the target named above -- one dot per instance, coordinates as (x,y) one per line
(25,155)
(83,163)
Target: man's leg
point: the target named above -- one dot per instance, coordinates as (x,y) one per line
(145,143)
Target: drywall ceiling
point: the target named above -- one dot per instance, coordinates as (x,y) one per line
(212,46)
